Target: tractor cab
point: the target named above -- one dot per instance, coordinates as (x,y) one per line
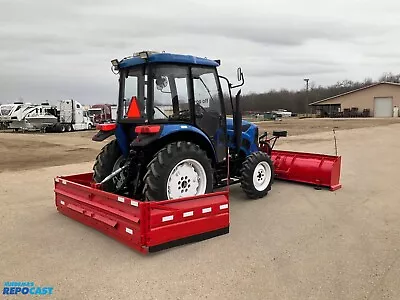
(170,91)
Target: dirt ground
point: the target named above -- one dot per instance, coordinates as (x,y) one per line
(296,243)
(25,151)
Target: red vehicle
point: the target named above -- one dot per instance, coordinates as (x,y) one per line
(102,113)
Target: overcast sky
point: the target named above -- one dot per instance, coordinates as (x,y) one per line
(54,49)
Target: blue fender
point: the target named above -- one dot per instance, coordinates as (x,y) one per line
(169,129)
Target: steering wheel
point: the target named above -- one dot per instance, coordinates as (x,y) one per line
(198,105)
(186,112)
(202,108)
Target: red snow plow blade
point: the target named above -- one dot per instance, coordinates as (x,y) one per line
(317,169)
(144,226)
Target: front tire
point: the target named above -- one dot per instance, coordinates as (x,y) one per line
(257,175)
(178,170)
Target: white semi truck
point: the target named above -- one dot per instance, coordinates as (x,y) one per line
(71,116)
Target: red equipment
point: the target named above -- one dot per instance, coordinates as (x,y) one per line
(316,169)
(144,226)
(153,226)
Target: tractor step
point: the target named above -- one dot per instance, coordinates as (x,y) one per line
(319,170)
(143,226)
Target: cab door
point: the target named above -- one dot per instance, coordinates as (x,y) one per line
(208,108)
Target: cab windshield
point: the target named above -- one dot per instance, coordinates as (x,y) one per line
(94,112)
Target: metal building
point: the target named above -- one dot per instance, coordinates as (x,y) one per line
(379,100)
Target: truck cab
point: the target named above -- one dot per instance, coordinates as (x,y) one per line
(73,115)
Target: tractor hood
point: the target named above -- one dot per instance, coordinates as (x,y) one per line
(245,124)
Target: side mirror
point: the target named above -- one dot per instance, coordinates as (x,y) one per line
(161,82)
(240,78)
(239,74)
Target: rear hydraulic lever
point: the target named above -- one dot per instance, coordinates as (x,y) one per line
(128,164)
(115,173)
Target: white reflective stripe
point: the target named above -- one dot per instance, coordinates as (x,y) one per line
(188,214)
(206,210)
(62,202)
(223,206)
(63,181)
(184,126)
(134,203)
(57,180)
(167,218)
(121,199)
(128,230)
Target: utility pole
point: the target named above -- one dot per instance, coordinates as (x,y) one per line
(306,106)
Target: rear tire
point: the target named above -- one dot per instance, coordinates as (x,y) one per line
(257,175)
(104,165)
(180,169)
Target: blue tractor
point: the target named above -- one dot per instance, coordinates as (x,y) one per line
(172,136)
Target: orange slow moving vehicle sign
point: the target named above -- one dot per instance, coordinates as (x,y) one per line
(133,110)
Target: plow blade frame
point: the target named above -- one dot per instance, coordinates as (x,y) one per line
(317,169)
(143,226)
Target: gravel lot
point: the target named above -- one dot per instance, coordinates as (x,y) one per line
(297,243)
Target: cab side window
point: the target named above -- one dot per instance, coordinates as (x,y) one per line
(205,89)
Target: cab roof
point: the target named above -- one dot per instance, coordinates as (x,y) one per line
(152,57)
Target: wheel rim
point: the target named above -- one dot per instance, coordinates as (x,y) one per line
(119,179)
(262,176)
(187,178)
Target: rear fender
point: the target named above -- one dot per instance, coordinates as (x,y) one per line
(172,133)
(102,135)
(117,130)
(191,134)
(105,131)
